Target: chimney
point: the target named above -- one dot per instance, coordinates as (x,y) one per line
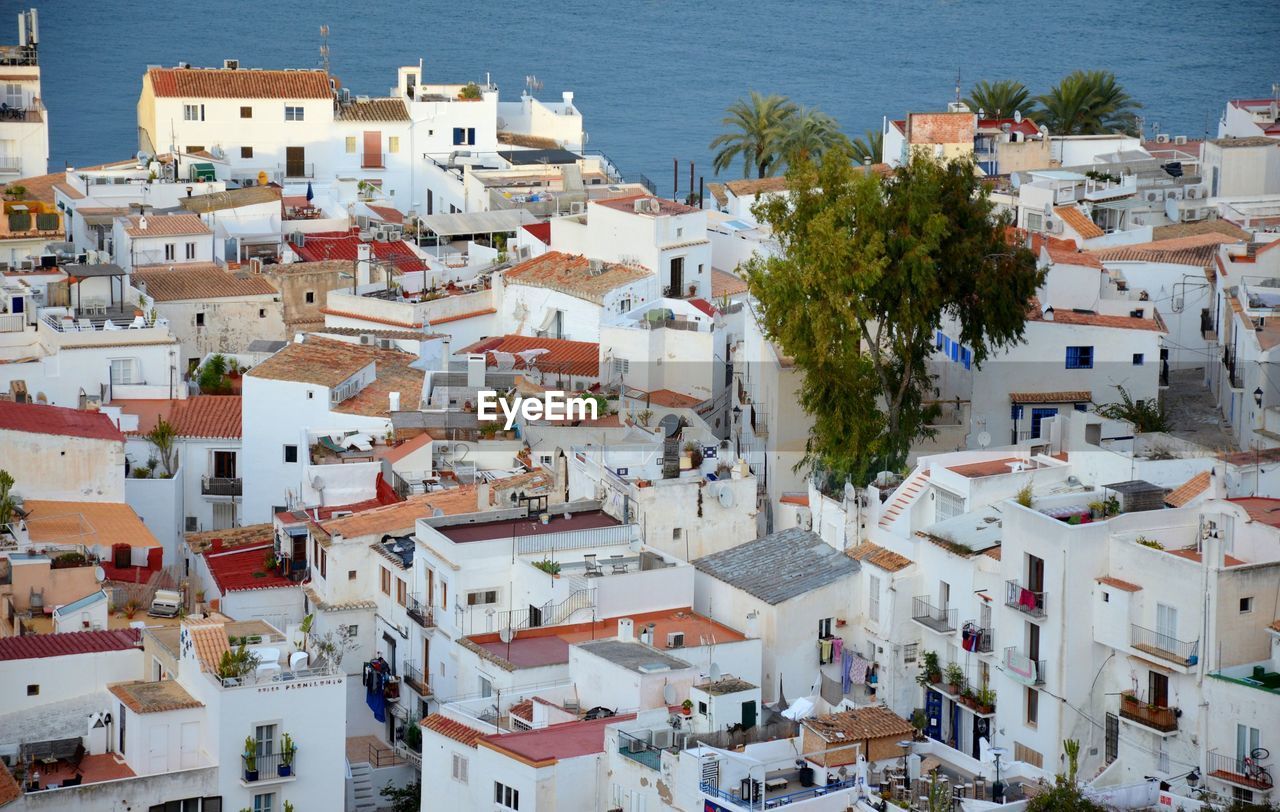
(626,629)
(475,371)
(568,99)
(364,253)
(394,405)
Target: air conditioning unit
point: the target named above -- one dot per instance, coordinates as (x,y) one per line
(298,239)
(1162,139)
(1180,140)
(362,222)
(662,737)
(576,207)
(384,344)
(1052,225)
(1152,197)
(367,339)
(1173,194)
(380,235)
(675,639)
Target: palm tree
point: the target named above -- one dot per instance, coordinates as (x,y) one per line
(1000,99)
(1088,103)
(869,148)
(808,134)
(754,126)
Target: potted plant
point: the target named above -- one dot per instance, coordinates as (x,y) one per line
(687,707)
(285,767)
(1097,508)
(548,566)
(250,759)
(932,668)
(413,737)
(985,698)
(919,721)
(954,676)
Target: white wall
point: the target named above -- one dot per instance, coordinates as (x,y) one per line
(93,672)
(54,466)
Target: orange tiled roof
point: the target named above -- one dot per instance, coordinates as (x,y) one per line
(323,361)
(208,416)
(627,203)
(91,523)
(1064,252)
(452,729)
(1079,222)
(669,399)
(757,186)
(199,280)
(1161,233)
(210,641)
(166,225)
(1188,490)
(724,284)
(1127,586)
(567,357)
(154,697)
(801,499)
(881,557)
(212,83)
(571,274)
(373,110)
(1066,316)
(402,515)
(9,789)
(858,725)
(1070,396)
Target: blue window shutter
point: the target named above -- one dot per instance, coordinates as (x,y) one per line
(966,357)
(458,134)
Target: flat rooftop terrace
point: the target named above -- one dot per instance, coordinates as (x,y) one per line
(510,528)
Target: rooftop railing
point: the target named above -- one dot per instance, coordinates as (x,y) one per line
(1156,717)
(1027,601)
(940,619)
(1165,646)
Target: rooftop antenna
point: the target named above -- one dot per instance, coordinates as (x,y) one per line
(957,85)
(324,47)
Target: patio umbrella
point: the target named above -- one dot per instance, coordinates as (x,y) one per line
(310,194)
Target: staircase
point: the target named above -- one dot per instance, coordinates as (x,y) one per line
(902,498)
(361,781)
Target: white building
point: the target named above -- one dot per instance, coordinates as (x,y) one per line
(163,241)
(54,452)
(561,295)
(24,127)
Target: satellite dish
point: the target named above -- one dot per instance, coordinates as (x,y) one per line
(636,546)
(715,672)
(670,425)
(984,439)
(100,574)
(436,513)
(317,483)
(726,497)
(506,634)
(669,694)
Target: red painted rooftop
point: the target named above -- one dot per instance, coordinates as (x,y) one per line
(506,528)
(37,418)
(34,646)
(549,744)
(343,245)
(540,230)
(243,568)
(386,495)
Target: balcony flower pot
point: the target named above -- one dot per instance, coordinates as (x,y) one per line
(1128,699)
(687,707)
(250,759)
(285,767)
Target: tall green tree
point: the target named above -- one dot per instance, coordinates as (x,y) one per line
(1000,99)
(1088,103)
(753,129)
(868,270)
(869,148)
(809,134)
(163,436)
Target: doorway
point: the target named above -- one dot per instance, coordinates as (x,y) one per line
(295,162)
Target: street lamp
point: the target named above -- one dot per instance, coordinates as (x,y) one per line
(997,789)
(1257,396)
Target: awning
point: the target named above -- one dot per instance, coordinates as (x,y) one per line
(203,172)
(264,227)
(477,222)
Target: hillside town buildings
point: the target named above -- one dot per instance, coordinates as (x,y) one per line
(260,549)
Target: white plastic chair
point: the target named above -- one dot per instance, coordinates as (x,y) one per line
(110,325)
(86,326)
(137,324)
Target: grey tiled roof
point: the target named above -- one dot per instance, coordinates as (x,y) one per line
(780,566)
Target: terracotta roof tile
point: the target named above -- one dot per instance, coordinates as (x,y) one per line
(1161,233)
(881,557)
(717,191)
(571,274)
(1064,252)
(488,311)
(387,214)
(208,417)
(858,725)
(36,646)
(373,110)
(166,225)
(563,356)
(453,729)
(796,499)
(940,128)
(38,418)
(154,697)
(1127,586)
(756,186)
(210,642)
(549,744)
(1068,396)
(328,362)
(670,399)
(92,523)
(401,516)
(627,203)
(1065,316)
(242,568)
(407,447)
(527,141)
(9,789)
(247,536)
(213,83)
(724,284)
(200,280)
(1078,221)
(230,199)
(1188,490)
(1199,250)
(345,245)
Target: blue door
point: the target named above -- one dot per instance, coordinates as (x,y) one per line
(19,304)
(1040,414)
(955,726)
(933,710)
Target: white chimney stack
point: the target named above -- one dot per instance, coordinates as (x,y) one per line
(395,401)
(626,629)
(363,255)
(475,371)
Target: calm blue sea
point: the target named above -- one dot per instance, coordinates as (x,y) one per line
(653,78)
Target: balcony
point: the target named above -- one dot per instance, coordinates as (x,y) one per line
(1027,601)
(420,613)
(221,486)
(415,679)
(299,170)
(1156,717)
(1241,772)
(270,768)
(1164,646)
(975,638)
(640,751)
(926,614)
(1022,668)
(372,160)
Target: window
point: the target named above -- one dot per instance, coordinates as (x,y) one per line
(246,112)
(199,319)
(483,597)
(873,598)
(292,113)
(266,802)
(1023,753)
(265,736)
(824,627)
(1033,707)
(291,453)
(246,152)
(459,768)
(122,371)
(393,143)
(1038,415)
(1137,359)
(676,533)
(351,575)
(324,563)
(1246,605)
(123,720)
(262,314)
(464,136)
(910,652)
(193,112)
(386,581)
(33,690)
(621,366)
(352,629)
(444,595)
(506,797)
(191,250)
(1079,357)
(170,251)
(351,144)
(948,505)
(1035,221)
(311,297)
(401,595)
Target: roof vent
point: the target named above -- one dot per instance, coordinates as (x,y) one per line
(231,64)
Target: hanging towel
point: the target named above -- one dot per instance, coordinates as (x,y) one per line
(1027,599)
(830,691)
(1021,667)
(858,670)
(377,703)
(846,662)
(837,645)
(825,648)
